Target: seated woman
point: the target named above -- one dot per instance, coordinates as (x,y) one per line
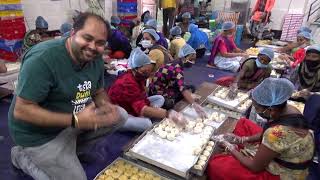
(168,81)
(294,59)
(254,70)
(152,24)
(139,26)
(155,51)
(294,46)
(285,144)
(118,44)
(177,41)
(184,25)
(224,53)
(37,35)
(129,92)
(307,78)
(198,40)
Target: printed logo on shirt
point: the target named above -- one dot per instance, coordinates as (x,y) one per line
(83,96)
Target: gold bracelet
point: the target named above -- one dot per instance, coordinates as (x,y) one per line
(77,120)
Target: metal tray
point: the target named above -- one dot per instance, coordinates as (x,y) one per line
(201,172)
(228,112)
(173,156)
(133,164)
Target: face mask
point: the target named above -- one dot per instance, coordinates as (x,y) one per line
(146,43)
(260,65)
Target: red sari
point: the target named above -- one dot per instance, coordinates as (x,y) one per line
(226,167)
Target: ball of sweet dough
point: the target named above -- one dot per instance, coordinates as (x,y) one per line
(197,129)
(202,157)
(197,151)
(168,129)
(163,134)
(209,106)
(158,130)
(123,177)
(198,167)
(171,136)
(206,153)
(115,175)
(141,174)
(156,178)
(201,163)
(191,123)
(208,128)
(175,131)
(206,137)
(211,143)
(209,148)
(205,121)
(201,125)
(162,125)
(134,177)
(108,178)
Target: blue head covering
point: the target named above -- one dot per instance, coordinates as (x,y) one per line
(175,31)
(304,29)
(153,33)
(186,15)
(268,52)
(138,59)
(115,20)
(65,27)
(305,34)
(152,23)
(228,25)
(273,91)
(186,50)
(198,38)
(41,23)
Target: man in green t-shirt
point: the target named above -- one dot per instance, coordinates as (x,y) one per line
(60,100)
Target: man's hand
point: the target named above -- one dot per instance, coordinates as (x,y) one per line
(177,118)
(93,118)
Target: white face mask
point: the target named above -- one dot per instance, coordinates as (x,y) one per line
(146,43)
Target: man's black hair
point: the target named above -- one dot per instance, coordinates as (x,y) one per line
(81,19)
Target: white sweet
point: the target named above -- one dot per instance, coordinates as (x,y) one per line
(168,129)
(222,116)
(157,130)
(208,128)
(209,105)
(175,131)
(171,136)
(163,134)
(197,151)
(206,136)
(206,153)
(201,125)
(209,148)
(197,130)
(205,121)
(162,125)
(198,167)
(211,143)
(191,123)
(202,157)
(201,163)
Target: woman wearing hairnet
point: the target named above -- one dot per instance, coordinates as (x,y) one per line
(198,40)
(224,53)
(152,24)
(308,74)
(118,44)
(184,25)
(129,92)
(298,54)
(139,26)
(155,51)
(285,145)
(177,41)
(168,81)
(37,35)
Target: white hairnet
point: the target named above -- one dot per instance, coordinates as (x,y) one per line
(273,91)
(152,23)
(268,52)
(138,59)
(228,25)
(65,27)
(304,29)
(314,47)
(175,31)
(186,15)
(153,33)
(186,50)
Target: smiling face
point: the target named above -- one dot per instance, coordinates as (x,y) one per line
(89,42)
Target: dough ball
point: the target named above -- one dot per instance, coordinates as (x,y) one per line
(141,174)
(201,163)
(209,105)
(197,130)
(201,125)
(205,121)
(197,167)
(163,134)
(211,143)
(206,137)
(222,116)
(175,131)
(168,129)
(134,177)
(171,136)
(162,126)
(123,177)
(208,128)
(158,130)
(206,153)
(197,151)
(156,178)
(202,157)
(209,148)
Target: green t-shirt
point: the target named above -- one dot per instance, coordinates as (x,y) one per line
(49,77)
